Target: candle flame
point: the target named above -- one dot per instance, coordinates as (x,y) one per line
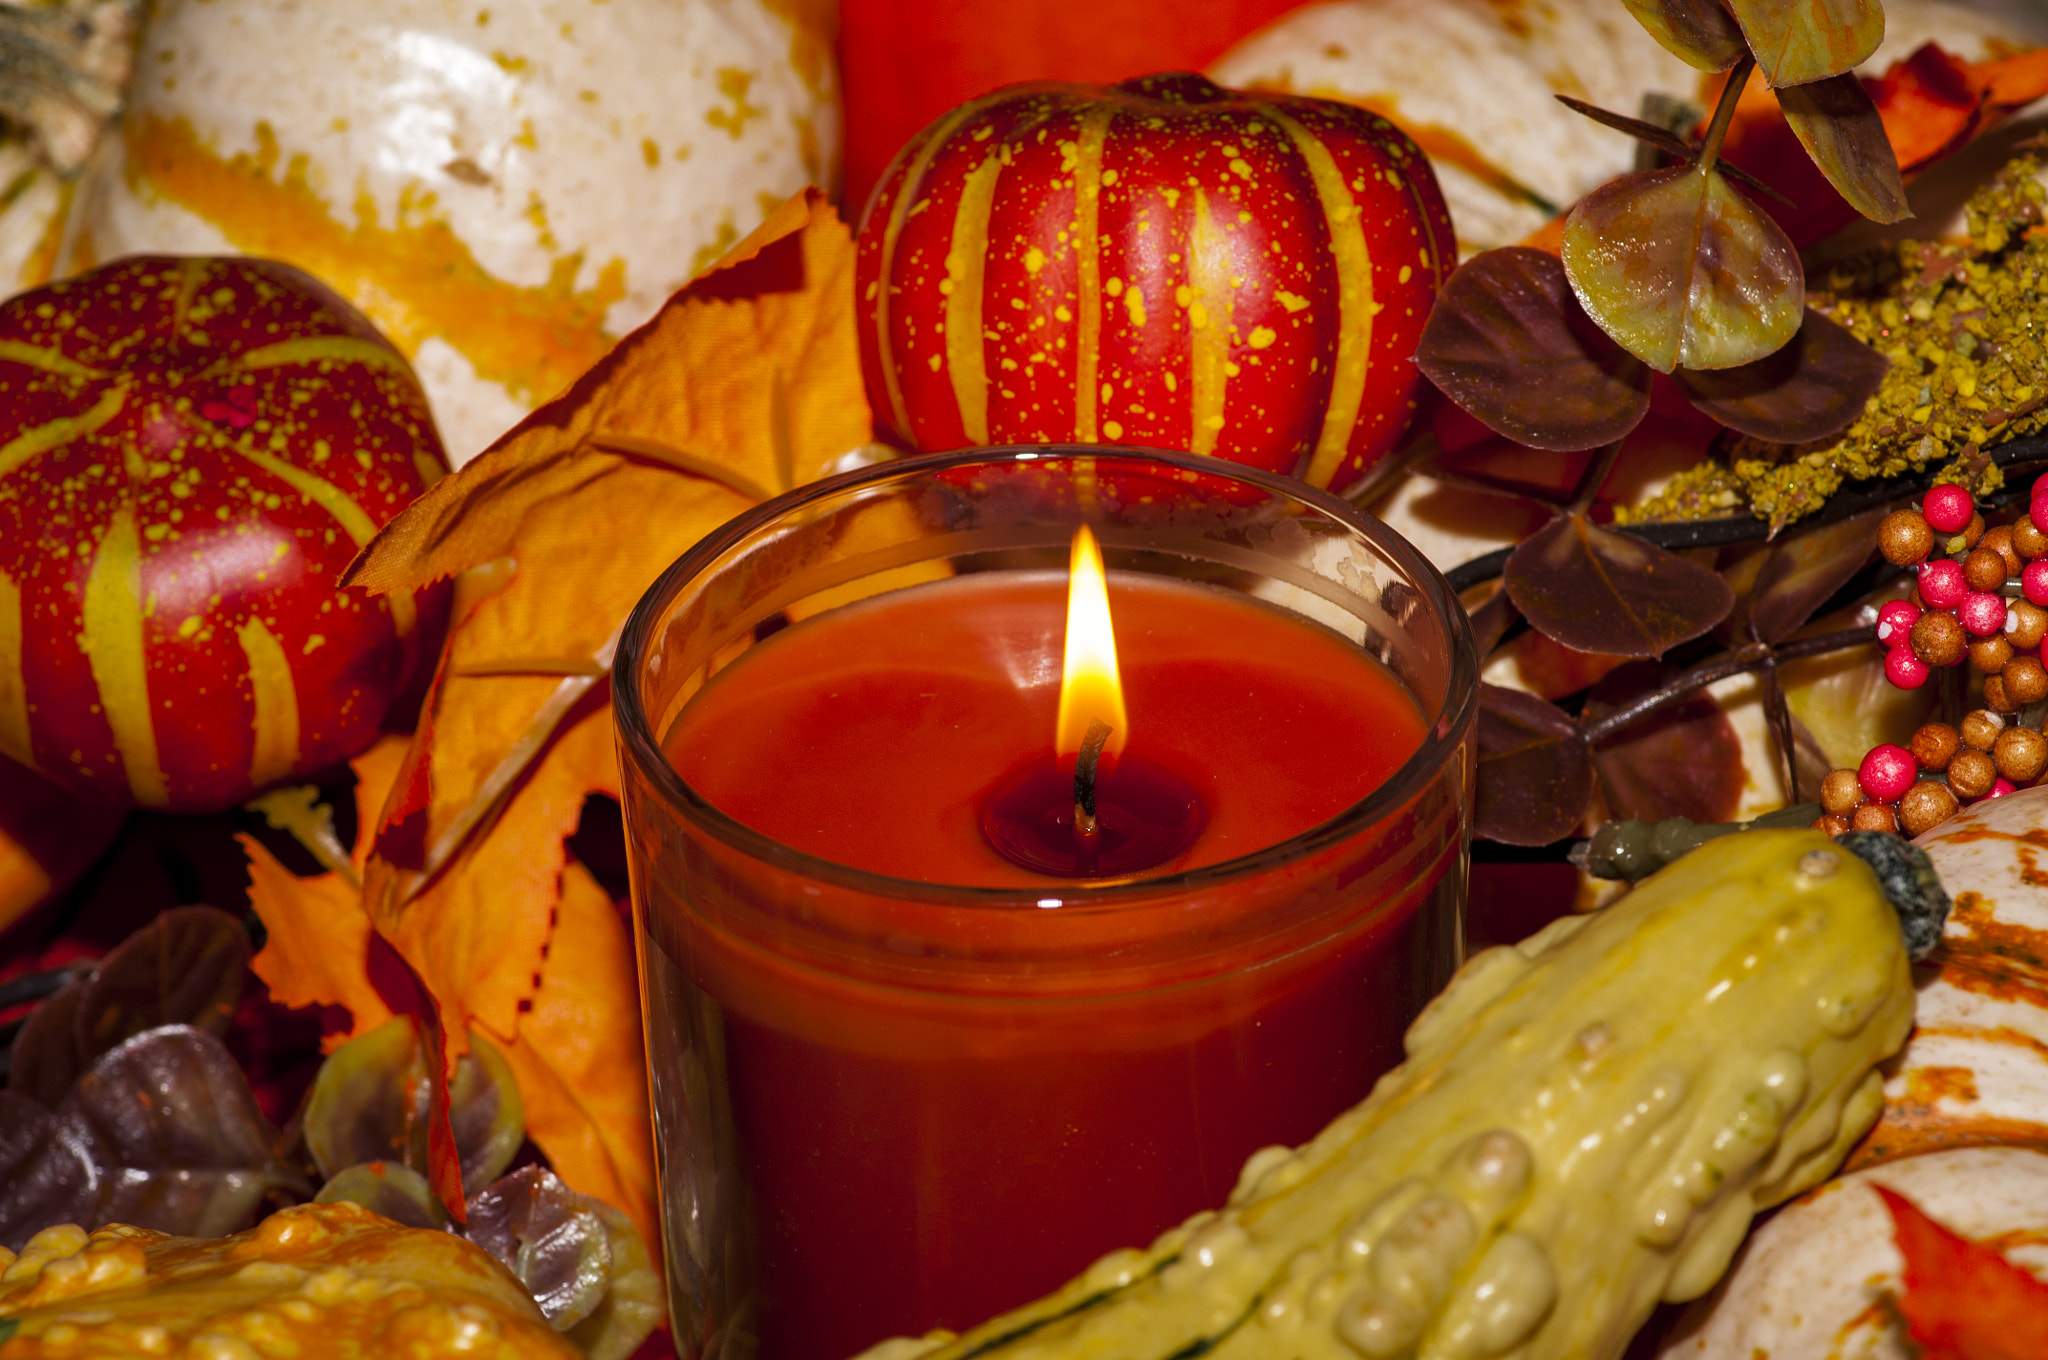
(1089,689)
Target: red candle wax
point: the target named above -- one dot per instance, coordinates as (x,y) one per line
(926,1141)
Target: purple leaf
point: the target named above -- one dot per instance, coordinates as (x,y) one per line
(1510,343)
(1837,122)
(1595,590)
(1535,776)
(1684,760)
(1815,386)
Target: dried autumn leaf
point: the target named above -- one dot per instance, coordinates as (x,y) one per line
(1961,1300)
(1814,386)
(1681,269)
(1838,123)
(1684,760)
(1798,41)
(1699,33)
(1509,342)
(746,383)
(1535,775)
(1595,590)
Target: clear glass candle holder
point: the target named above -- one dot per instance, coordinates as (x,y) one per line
(885,1103)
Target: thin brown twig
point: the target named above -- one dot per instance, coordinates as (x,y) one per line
(1742,660)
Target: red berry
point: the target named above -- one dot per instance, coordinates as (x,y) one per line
(2034,582)
(1942,585)
(1896,620)
(1904,669)
(1947,508)
(1887,772)
(1982,612)
(2000,787)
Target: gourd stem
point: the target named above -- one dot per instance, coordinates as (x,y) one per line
(1724,112)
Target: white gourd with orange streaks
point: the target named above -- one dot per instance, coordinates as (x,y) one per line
(504,188)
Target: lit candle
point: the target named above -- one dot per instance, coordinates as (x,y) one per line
(939,1074)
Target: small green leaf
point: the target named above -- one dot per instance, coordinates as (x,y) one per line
(1797,41)
(1683,270)
(396,1191)
(1837,122)
(1698,32)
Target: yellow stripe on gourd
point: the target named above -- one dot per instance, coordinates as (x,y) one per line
(1088,270)
(899,211)
(276,724)
(113,648)
(63,430)
(336,502)
(1355,306)
(46,360)
(14,734)
(1208,330)
(314,349)
(966,266)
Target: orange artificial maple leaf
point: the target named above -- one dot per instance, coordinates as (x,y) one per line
(576,1051)
(1962,1300)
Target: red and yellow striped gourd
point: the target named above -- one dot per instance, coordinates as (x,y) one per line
(191,451)
(1160,262)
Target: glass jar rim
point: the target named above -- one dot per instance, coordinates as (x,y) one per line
(640,744)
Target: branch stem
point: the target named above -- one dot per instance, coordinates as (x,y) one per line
(1742,660)
(1724,112)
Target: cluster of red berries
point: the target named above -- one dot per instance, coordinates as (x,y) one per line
(1896,787)
(1959,608)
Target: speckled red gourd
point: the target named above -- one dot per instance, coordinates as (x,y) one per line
(191,451)
(1162,263)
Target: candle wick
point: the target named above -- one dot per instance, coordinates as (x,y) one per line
(1085,767)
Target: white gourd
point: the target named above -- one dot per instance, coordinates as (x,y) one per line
(504,186)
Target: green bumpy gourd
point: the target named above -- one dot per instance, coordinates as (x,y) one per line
(1585,1124)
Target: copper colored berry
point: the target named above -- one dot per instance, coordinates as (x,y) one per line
(1999,540)
(1971,774)
(1938,639)
(1947,507)
(2026,681)
(1980,729)
(2026,624)
(1935,744)
(1840,792)
(1972,534)
(1989,655)
(1926,805)
(1874,817)
(1886,772)
(2028,540)
(1994,694)
(1984,569)
(1904,538)
(2020,753)
(1830,824)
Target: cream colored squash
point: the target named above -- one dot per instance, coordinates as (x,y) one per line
(1474,81)
(504,186)
(1812,1283)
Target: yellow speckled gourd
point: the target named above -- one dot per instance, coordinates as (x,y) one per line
(320,1282)
(1585,1124)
